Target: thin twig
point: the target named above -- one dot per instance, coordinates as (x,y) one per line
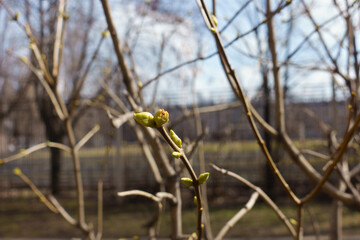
(41,196)
(236,218)
(62,211)
(238,90)
(193,176)
(341,150)
(58,37)
(26,152)
(87,137)
(263,195)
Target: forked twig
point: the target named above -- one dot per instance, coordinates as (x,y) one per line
(263,195)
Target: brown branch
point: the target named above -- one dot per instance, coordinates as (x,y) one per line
(41,196)
(127,78)
(341,150)
(26,152)
(234,82)
(263,195)
(58,37)
(279,98)
(236,218)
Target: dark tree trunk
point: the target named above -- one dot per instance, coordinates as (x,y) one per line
(55,158)
(55,132)
(269,175)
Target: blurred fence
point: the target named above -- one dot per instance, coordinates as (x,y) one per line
(129,170)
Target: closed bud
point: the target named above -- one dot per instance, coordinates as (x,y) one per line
(293,222)
(203,177)
(213,30)
(187,182)
(145,118)
(17,171)
(161,117)
(175,139)
(195,201)
(105,33)
(1,162)
(176,154)
(215,21)
(24,59)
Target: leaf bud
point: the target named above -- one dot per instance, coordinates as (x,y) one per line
(24,59)
(175,139)
(105,33)
(176,154)
(293,222)
(17,171)
(195,201)
(139,83)
(203,177)
(214,19)
(145,118)
(187,182)
(161,117)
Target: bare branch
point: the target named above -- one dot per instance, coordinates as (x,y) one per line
(263,195)
(236,218)
(87,137)
(41,196)
(26,152)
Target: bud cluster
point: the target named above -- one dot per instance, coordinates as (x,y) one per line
(154,121)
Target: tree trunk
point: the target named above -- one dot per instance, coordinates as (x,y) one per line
(55,158)
(269,175)
(55,132)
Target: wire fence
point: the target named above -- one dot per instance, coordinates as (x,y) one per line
(129,170)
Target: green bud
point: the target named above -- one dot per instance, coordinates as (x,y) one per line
(293,222)
(203,177)
(17,171)
(105,33)
(24,59)
(176,154)
(195,201)
(215,21)
(1,162)
(194,236)
(187,182)
(161,117)
(139,83)
(175,139)
(213,30)
(145,118)
(23,151)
